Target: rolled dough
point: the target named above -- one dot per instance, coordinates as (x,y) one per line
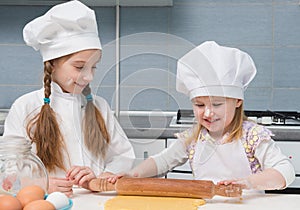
(152,203)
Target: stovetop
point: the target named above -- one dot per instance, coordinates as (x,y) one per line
(185,118)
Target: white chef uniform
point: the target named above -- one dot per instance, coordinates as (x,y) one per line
(214,70)
(70,111)
(218,162)
(215,161)
(64,29)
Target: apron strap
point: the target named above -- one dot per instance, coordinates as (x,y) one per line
(253,134)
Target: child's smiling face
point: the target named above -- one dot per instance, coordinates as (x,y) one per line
(72,73)
(215,113)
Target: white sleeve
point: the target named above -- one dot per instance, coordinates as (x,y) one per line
(23,109)
(270,156)
(120,155)
(173,156)
(14,124)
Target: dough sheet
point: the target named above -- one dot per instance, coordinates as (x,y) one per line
(152,203)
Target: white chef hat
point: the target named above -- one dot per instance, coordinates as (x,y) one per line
(65,29)
(214,70)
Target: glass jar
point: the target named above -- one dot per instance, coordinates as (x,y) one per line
(19,167)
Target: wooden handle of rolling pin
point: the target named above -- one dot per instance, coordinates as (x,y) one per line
(166,187)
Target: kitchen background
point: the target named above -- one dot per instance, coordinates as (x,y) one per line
(152,38)
(137,73)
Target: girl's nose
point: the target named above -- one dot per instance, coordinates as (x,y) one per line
(88,76)
(207,112)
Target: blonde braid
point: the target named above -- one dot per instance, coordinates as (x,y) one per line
(44,131)
(96,136)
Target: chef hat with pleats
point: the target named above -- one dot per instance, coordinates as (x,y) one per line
(214,70)
(65,29)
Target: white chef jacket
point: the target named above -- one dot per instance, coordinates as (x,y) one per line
(70,109)
(225,161)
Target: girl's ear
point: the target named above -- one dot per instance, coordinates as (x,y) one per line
(238,103)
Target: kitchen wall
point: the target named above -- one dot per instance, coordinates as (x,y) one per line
(153,38)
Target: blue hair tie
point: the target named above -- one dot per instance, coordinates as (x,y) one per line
(47,100)
(89,97)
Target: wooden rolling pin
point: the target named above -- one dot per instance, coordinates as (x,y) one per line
(165,187)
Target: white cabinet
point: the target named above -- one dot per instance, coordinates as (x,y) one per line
(291,150)
(144,148)
(179,175)
(181,172)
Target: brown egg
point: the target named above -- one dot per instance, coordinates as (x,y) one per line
(30,193)
(9,202)
(39,205)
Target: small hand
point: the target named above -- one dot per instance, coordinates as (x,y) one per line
(106,175)
(112,178)
(80,175)
(63,185)
(244,183)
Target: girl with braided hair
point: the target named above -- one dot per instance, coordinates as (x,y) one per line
(73,132)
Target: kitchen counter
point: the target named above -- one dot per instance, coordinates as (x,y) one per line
(84,199)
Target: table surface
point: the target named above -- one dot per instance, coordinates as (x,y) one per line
(83,199)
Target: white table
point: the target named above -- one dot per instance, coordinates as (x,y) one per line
(83,199)
(87,200)
(255,202)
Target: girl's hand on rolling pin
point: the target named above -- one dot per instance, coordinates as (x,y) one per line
(244,183)
(112,178)
(80,175)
